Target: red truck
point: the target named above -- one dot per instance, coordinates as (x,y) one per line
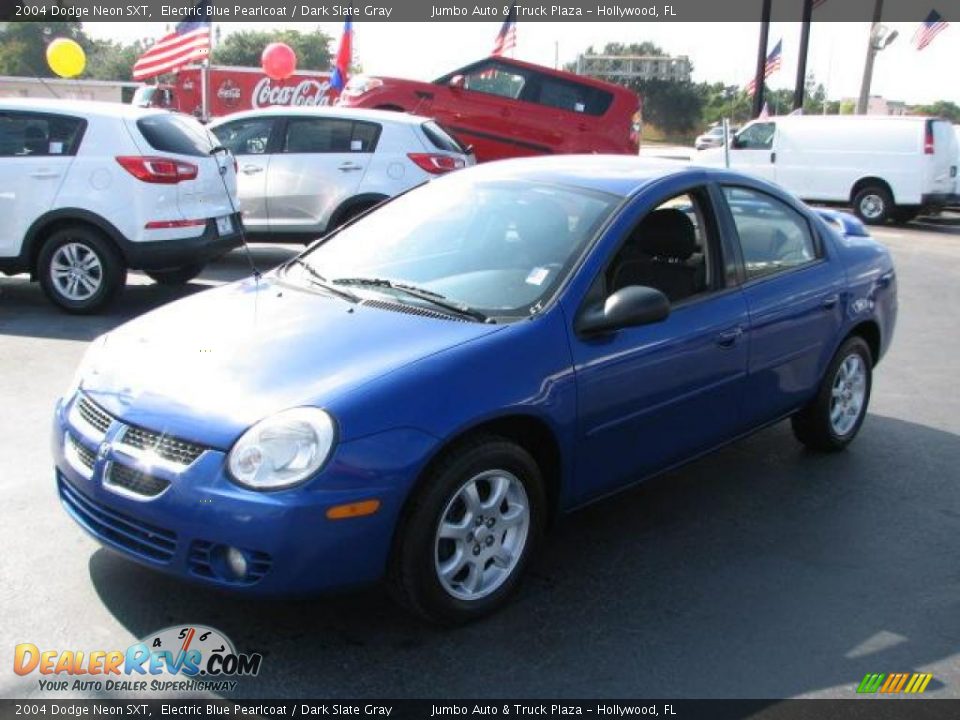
(230,89)
(508,108)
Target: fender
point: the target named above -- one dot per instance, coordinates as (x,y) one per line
(35,234)
(349,203)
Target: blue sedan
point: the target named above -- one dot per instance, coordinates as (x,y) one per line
(417,395)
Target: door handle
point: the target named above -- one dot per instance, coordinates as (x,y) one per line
(728,338)
(349,167)
(45,174)
(773,157)
(252,169)
(830,302)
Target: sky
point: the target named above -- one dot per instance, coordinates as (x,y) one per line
(724,52)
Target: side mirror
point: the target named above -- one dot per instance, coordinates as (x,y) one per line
(627,307)
(458,82)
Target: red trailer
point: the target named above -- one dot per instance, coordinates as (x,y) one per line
(231,89)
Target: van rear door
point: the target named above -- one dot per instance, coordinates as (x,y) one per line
(940,147)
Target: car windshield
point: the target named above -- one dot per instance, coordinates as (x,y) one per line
(497,247)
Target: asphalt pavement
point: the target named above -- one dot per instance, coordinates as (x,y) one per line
(763,570)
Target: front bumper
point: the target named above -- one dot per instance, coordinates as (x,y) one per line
(290,546)
(172,254)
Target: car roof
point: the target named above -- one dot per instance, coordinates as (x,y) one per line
(621,175)
(85,108)
(380,116)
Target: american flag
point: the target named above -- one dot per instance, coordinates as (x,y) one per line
(507,37)
(189,41)
(929,29)
(772,65)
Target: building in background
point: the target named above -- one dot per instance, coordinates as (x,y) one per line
(640,67)
(879,105)
(32,87)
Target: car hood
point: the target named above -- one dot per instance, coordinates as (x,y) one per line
(207,367)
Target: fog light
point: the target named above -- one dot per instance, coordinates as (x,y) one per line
(236,562)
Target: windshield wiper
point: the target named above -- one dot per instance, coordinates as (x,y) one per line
(429,296)
(318,279)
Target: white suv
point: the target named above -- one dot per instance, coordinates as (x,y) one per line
(90,189)
(306,170)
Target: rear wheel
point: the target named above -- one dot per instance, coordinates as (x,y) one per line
(79,270)
(873,204)
(176,276)
(833,418)
(469,535)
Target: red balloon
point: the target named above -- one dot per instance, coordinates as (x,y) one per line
(279,61)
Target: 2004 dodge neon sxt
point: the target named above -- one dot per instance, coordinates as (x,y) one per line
(416,395)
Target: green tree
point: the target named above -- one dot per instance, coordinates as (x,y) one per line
(941,108)
(245,47)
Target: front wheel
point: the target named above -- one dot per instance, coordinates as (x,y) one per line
(833,418)
(469,534)
(79,270)
(176,276)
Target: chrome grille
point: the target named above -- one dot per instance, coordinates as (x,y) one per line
(167,447)
(94,415)
(87,457)
(134,481)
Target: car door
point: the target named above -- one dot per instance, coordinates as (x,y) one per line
(36,151)
(795,294)
(570,114)
(252,141)
(317,166)
(481,105)
(653,395)
(752,150)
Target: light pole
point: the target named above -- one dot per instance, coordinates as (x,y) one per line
(880,38)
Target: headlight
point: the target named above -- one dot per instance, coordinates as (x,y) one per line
(282,450)
(87,365)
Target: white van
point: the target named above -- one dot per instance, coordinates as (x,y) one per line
(885,167)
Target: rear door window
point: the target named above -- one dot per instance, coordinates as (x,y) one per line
(175,134)
(35,134)
(330,135)
(572,96)
(773,236)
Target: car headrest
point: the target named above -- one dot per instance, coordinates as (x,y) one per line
(666,233)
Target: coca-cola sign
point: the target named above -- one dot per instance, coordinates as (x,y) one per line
(306,92)
(229,93)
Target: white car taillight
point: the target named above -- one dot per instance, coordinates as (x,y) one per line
(158,170)
(437,163)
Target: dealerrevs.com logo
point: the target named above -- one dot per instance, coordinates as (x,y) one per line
(177,658)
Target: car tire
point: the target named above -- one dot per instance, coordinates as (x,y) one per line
(176,276)
(80,270)
(458,556)
(873,204)
(833,418)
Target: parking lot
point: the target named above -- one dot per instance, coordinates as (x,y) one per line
(760,571)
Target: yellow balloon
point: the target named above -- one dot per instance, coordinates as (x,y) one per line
(66,58)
